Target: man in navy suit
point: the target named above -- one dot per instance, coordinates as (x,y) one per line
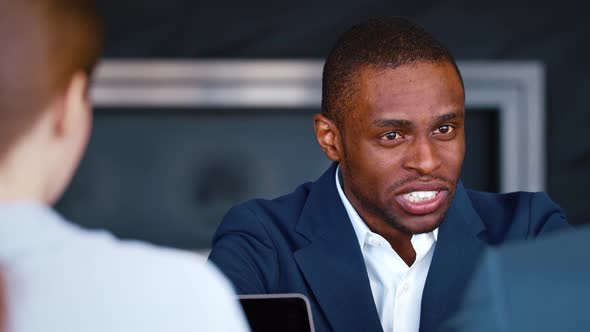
(386,239)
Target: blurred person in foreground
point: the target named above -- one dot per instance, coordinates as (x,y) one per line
(540,286)
(388,236)
(59,277)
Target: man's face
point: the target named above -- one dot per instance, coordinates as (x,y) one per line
(403,145)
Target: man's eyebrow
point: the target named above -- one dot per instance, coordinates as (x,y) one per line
(384,123)
(406,124)
(449,116)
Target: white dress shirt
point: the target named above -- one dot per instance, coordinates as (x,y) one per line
(61,278)
(396,287)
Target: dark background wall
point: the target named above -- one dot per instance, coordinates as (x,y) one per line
(555,33)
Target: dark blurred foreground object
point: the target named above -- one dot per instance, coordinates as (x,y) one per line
(277,312)
(539,286)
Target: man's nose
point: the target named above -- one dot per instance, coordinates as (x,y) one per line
(422,157)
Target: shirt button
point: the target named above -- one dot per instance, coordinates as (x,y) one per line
(406,286)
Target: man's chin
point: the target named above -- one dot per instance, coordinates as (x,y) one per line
(418,224)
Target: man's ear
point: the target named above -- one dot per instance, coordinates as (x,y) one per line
(328,136)
(74,110)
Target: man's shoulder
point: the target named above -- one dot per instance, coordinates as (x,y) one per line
(281,209)
(511,202)
(519,213)
(263,230)
(285,211)
(510,199)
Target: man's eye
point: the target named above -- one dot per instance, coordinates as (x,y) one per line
(446,129)
(392,135)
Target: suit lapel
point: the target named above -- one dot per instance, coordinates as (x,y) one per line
(458,247)
(333,264)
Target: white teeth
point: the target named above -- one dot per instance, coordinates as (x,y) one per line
(420,196)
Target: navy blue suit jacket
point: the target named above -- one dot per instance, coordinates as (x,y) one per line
(304,243)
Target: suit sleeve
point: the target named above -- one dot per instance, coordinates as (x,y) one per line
(545,215)
(243,250)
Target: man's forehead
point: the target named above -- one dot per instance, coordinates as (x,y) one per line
(415,92)
(400,79)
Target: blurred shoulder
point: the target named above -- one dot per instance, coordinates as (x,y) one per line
(148,263)
(79,273)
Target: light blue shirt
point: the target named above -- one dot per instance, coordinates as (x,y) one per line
(62,278)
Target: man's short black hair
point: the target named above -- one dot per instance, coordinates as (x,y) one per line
(378,43)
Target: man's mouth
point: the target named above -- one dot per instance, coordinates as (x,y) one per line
(420,196)
(421,202)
